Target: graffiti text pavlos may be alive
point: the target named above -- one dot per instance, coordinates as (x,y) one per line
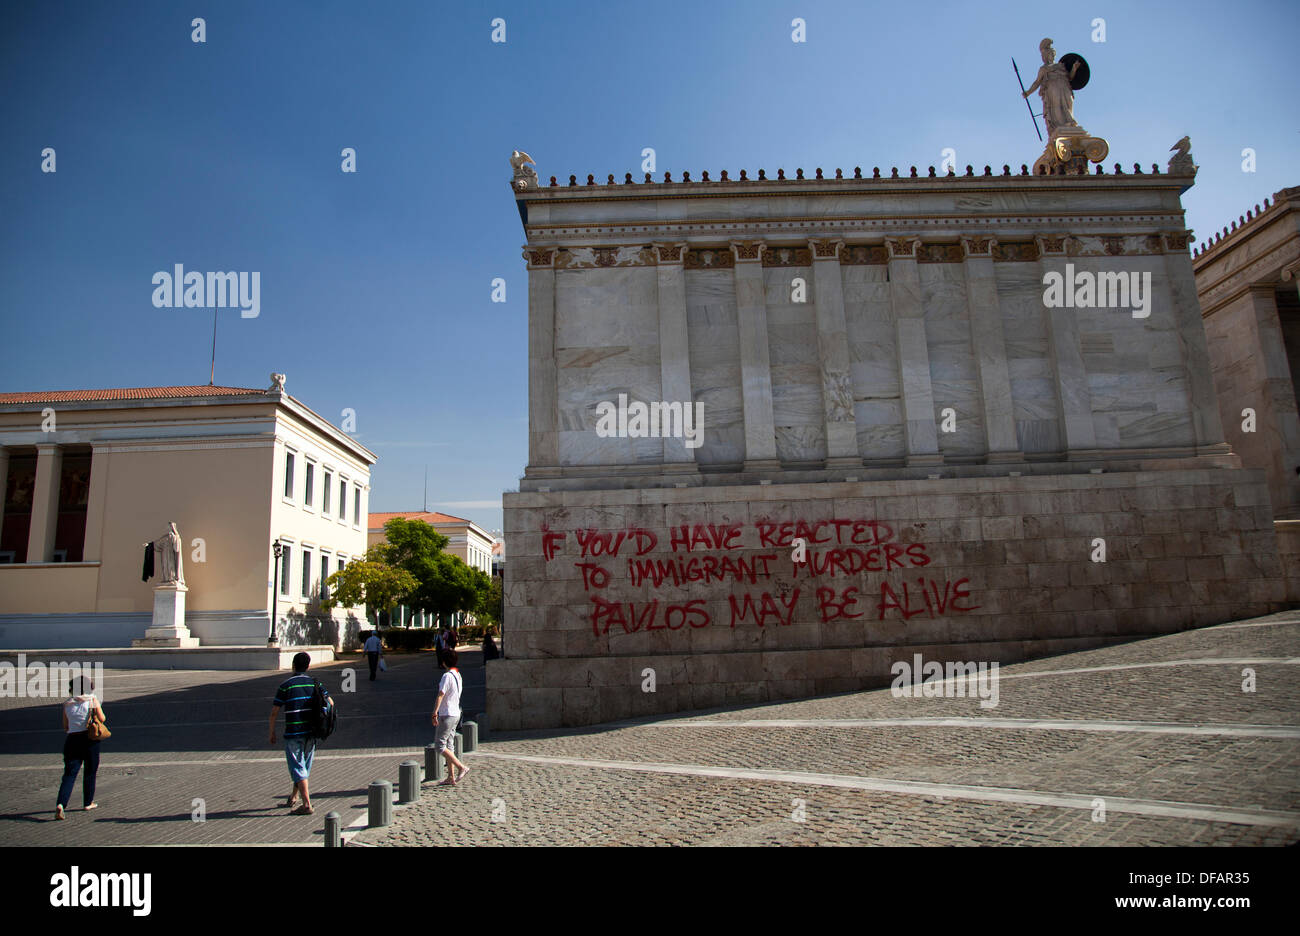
(707,553)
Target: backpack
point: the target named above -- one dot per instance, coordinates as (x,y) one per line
(324,713)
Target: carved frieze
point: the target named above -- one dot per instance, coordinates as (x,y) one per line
(787,257)
(1015,251)
(710,258)
(940,253)
(863,254)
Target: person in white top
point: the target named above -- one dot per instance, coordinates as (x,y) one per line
(77,746)
(446,716)
(374,650)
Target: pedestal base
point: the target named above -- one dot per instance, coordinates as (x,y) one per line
(1070,149)
(168,628)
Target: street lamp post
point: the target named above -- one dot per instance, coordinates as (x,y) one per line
(278,550)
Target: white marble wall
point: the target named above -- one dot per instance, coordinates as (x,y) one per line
(715,364)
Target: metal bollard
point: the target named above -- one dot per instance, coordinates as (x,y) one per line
(333,830)
(460,745)
(470,730)
(435,765)
(408,783)
(381,803)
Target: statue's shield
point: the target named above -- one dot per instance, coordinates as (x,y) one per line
(1081,76)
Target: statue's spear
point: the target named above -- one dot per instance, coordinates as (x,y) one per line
(1022,94)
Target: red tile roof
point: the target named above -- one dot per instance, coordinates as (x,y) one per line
(125,393)
(377,520)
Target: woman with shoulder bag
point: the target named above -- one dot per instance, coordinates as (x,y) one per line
(84,724)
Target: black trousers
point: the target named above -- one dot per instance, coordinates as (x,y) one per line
(77,748)
(373,659)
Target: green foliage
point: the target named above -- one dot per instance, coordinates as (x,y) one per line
(444,584)
(370,582)
(491,608)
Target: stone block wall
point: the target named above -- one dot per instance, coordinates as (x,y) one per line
(699,583)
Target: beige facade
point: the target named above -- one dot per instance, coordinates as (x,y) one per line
(91,476)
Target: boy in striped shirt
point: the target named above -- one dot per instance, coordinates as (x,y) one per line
(294,697)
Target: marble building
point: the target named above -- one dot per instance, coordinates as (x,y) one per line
(976,472)
(1248,282)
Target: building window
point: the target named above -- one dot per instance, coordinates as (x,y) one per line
(306,573)
(288,474)
(285,569)
(356,506)
(325,493)
(343,499)
(310,474)
(324,574)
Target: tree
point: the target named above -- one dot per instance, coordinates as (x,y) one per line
(492,604)
(444,584)
(371,582)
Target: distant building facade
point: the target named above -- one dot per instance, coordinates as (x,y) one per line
(1248,282)
(91,476)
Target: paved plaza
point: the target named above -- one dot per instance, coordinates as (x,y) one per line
(1148,743)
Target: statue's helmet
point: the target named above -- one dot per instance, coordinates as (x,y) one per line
(1045,44)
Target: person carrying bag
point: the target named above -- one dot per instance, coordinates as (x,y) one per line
(85,727)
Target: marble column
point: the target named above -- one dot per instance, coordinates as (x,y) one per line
(833,356)
(45,503)
(1206,420)
(543,389)
(989,345)
(674,348)
(919,429)
(755,359)
(96,504)
(1073,398)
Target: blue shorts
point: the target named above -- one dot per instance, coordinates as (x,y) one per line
(299,753)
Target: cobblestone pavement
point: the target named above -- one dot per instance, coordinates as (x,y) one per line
(1149,743)
(182,736)
(1156,738)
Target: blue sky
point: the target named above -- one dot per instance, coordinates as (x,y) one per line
(376,285)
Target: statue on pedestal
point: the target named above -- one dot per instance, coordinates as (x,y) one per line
(525,176)
(170,568)
(1069,146)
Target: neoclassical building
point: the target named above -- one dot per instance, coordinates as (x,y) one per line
(1248,280)
(90,476)
(982,402)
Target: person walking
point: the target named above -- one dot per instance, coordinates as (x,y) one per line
(294,697)
(446,716)
(374,651)
(78,712)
